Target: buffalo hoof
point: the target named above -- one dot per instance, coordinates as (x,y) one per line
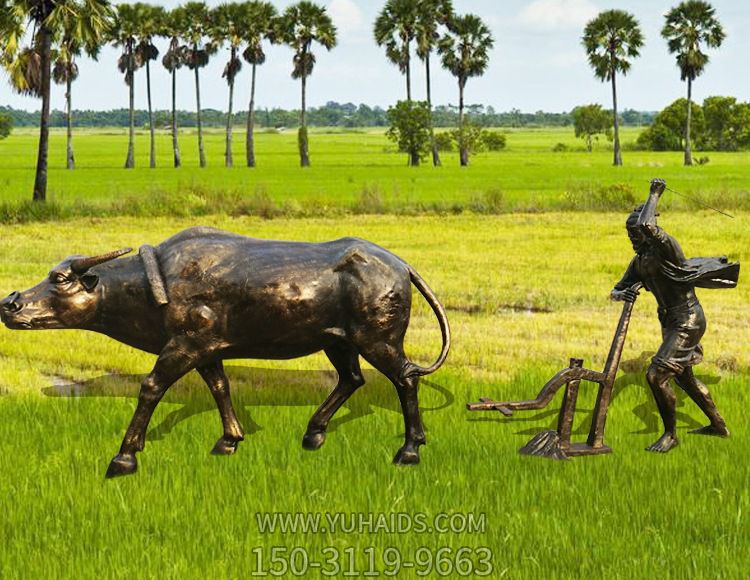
(406,457)
(224,447)
(313,441)
(122,464)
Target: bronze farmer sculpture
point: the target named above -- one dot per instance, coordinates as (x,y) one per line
(661,266)
(205,295)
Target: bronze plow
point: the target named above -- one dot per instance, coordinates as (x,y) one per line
(557,444)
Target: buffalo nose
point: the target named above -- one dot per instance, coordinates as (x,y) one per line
(10,304)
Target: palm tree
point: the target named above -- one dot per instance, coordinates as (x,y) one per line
(611,39)
(228,22)
(29,66)
(195,20)
(124,33)
(395,29)
(152,18)
(82,29)
(687,27)
(299,26)
(432,13)
(173,60)
(258,27)
(465,52)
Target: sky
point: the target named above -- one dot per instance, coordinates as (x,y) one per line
(538,63)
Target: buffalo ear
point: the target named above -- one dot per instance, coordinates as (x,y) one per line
(89,281)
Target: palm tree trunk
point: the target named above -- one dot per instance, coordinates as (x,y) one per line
(463,150)
(130,161)
(250,137)
(228,150)
(408,74)
(618,155)
(152,151)
(40,180)
(304,154)
(201,150)
(71,162)
(435,154)
(688,149)
(175,145)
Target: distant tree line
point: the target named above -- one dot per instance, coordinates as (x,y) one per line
(332,114)
(720,124)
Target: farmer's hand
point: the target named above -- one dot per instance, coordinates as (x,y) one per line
(657,187)
(627,295)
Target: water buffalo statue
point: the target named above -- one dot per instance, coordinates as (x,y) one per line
(205,295)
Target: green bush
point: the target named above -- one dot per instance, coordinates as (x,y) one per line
(6,125)
(410,128)
(444,141)
(493,141)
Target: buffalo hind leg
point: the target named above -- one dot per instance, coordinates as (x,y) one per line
(392,362)
(218,383)
(345,359)
(171,365)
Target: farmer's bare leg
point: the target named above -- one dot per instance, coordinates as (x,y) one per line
(658,379)
(698,392)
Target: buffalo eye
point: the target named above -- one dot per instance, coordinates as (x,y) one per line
(58,278)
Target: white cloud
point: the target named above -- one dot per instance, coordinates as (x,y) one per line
(347,17)
(549,15)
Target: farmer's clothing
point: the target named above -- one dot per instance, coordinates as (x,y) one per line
(663,269)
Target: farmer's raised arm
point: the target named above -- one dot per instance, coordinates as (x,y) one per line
(660,240)
(647,220)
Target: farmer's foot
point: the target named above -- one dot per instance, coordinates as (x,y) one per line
(664,444)
(715,430)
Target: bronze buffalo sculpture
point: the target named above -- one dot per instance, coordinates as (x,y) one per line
(205,295)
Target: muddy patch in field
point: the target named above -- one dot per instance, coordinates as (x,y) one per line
(478,309)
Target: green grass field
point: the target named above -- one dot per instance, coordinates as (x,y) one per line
(524,291)
(356,171)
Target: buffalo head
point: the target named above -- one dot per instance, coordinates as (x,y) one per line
(65,299)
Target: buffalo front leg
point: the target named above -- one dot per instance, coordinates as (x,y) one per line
(345,359)
(218,383)
(172,364)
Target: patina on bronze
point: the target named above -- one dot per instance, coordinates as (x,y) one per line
(205,295)
(557,444)
(660,266)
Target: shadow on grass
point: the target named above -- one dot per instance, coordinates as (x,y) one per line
(634,376)
(253,387)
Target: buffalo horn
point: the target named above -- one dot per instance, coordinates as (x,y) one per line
(81,265)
